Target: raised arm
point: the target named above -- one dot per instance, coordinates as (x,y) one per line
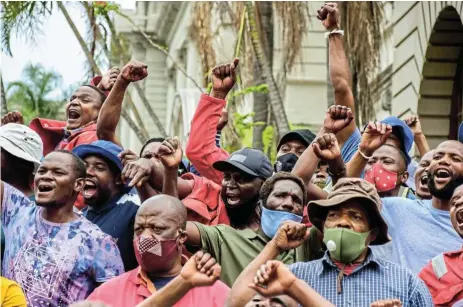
(110,112)
(374,136)
(420,139)
(339,70)
(326,148)
(201,270)
(289,236)
(170,155)
(201,149)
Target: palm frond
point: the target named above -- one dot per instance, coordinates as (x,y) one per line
(363,22)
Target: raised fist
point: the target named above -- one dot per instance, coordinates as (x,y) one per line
(13,117)
(290,235)
(127,156)
(170,153)
(374,136)
(329,15)
(223,79)
(134,71)
(326,147)
(137,172)
(337,118)
(273,278)
(415,125)
(387,303)
(109,78)
(201,270)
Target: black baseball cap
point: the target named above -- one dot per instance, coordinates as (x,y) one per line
(303,135)
(250,161)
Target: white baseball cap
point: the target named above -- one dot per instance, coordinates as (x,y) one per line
(21,142)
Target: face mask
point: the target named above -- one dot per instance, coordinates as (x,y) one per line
(285,163)
(271,220)
(153,255)
(381,178)
(344,244)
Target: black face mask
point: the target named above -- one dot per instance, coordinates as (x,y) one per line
(285,163)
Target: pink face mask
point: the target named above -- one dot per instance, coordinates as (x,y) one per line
(381,178)
(154,255)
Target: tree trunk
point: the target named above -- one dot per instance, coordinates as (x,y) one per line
(260,108)
(93,64)
(140,91)
(276,101)
(3,98)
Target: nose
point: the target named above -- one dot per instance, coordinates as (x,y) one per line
(90,171)
(343,223)
(288,204)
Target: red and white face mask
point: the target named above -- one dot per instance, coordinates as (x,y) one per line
(381,178)
(154,255)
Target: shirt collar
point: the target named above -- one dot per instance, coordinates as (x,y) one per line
(327,263)
(251,234)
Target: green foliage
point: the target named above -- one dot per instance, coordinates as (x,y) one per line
(31,96)
(243,128)
(261,88)
(104,7)
(268,139)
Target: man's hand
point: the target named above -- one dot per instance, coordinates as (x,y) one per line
(201,270)
(13,117)
(108,79)
(337,118)
(415,125)
(273,278)
(329,15)
(170,153)
(134,71)
(223,120)
(290,235)
(127,156)
(137,171)
(223,79)
(374,136)
(387,303)
(326,147)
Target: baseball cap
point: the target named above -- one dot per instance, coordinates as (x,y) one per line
(250,161)
(304,135)
(106,149)
(22,142)
(344,190)
(460,133)
(403,132)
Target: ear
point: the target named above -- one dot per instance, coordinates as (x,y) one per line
(183,236)
(404,177)
(372,236)
(79,185)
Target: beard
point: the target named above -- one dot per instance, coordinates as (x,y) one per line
(446,192)
(241,214)
(103,196)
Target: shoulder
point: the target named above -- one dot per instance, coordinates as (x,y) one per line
(118,282)
(10,193)
(199,182)
(92,231)
(401,203)
(299,268)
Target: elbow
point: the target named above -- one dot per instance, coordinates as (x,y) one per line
(340,85)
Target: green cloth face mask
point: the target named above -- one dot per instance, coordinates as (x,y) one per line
(344,244)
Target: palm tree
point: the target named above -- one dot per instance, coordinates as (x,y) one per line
(3,101)
(32,95)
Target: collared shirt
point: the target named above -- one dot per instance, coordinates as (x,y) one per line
(116,218)
(234,249)
(444,278)
(373,280)
(132,288)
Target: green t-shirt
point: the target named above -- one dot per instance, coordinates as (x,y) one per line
(234,249)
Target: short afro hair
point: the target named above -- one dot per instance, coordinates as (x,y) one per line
(268,185)
(152,140)
(100,92)
(79,166)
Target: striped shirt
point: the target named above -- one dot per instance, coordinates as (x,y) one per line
(373,280)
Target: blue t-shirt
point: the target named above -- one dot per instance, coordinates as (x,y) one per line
(350,146)
(419,232)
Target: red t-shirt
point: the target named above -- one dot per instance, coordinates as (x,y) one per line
(133,287)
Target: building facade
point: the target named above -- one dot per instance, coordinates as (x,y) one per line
(421,67)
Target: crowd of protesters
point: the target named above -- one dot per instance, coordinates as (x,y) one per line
(344,217)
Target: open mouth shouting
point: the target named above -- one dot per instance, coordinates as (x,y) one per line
(73,115)
(233,199)
(442,176)
(44,189)
(90,188)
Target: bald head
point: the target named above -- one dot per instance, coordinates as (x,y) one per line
(166,207)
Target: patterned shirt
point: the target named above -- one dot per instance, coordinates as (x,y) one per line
(55,264)
(373,280)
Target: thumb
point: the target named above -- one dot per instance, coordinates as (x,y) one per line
(317,150)
(233,67)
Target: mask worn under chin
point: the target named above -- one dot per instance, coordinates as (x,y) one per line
(154,255)
(285,163)
(381,178)
(344,244)
(271,220)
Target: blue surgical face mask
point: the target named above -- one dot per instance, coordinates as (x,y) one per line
(271,219)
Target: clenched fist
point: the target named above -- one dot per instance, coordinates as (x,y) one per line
(223,79)
(134,71)
(170,153)
(337,118)
(14,117)
(374,136)
(329,15)
(290,235)
(201,270)
(109,78)
(415,125)
(326,147)
(273,278)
